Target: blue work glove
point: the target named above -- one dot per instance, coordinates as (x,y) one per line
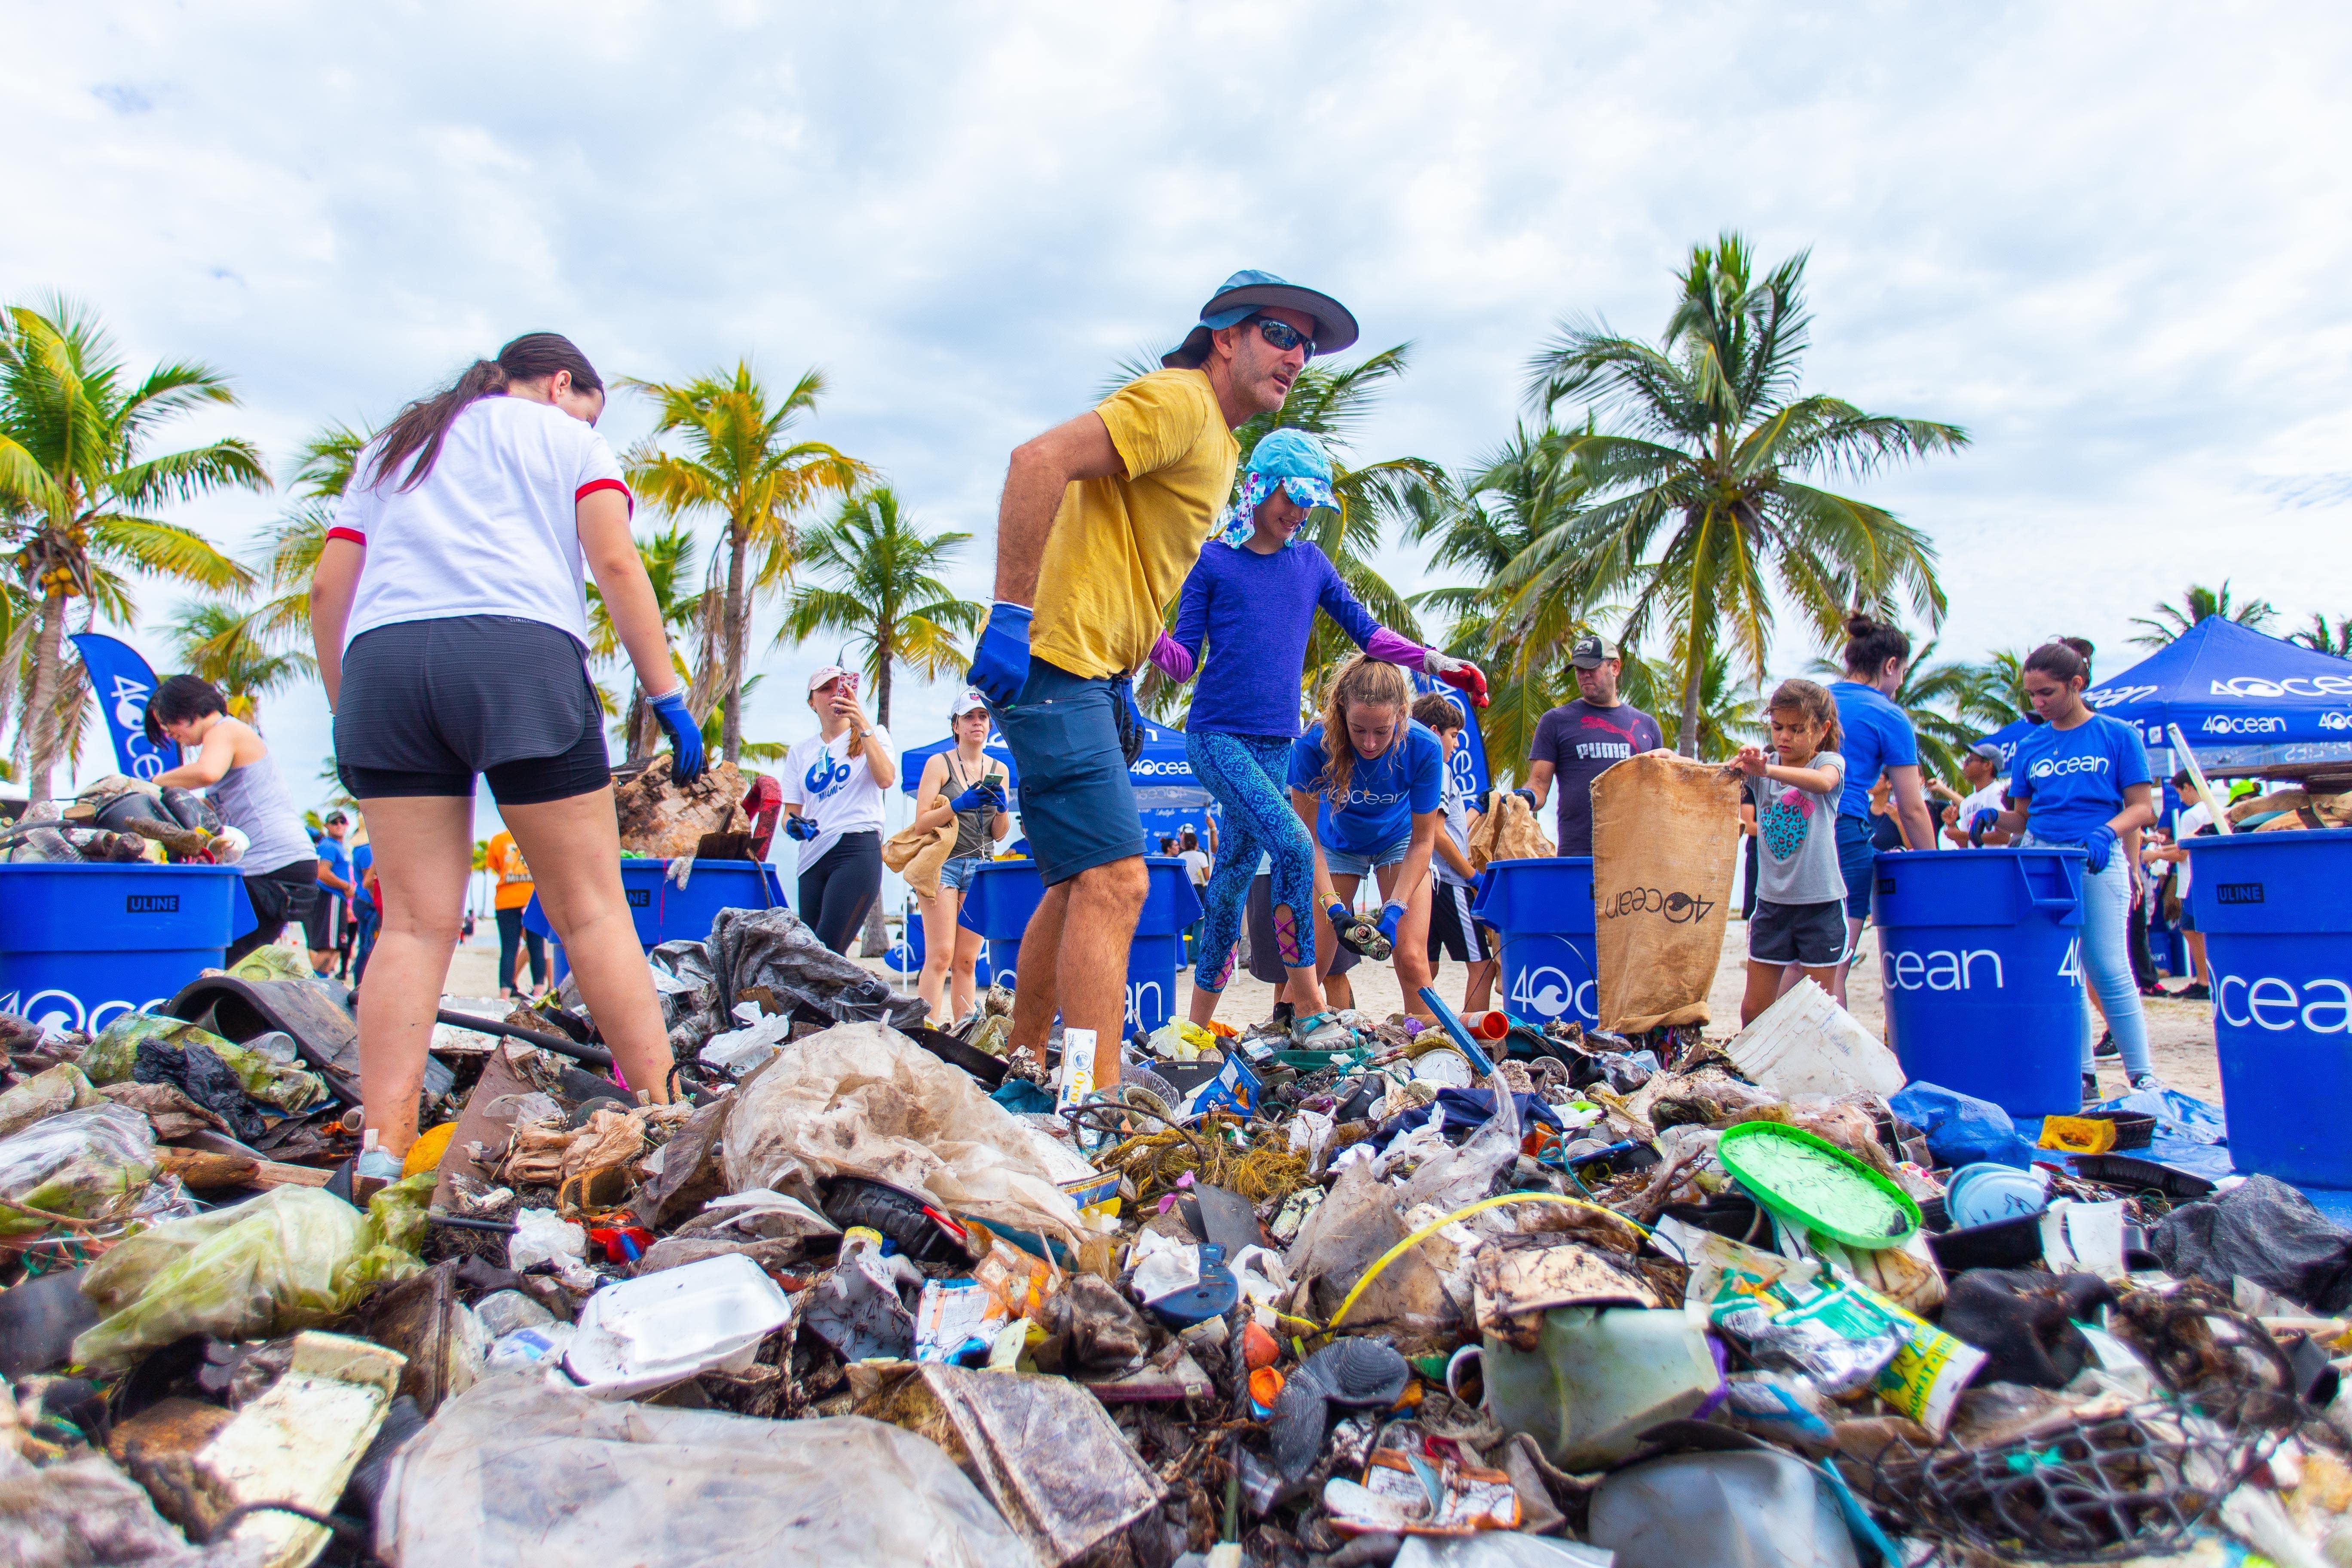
(1001,664)
(684,735)
(1391,913)
(799,827)
(974,798)
(1985,820)
(1530,796)
(2102,845)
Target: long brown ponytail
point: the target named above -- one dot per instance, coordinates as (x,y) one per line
(420,427)
(1362,680)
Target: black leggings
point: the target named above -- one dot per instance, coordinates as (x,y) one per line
(837,891)
(278,897)
(512,941)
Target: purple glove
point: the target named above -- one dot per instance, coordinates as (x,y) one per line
(1389,648)
(1174,661)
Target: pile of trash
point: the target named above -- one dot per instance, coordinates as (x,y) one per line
(1332,1291)
(118,820)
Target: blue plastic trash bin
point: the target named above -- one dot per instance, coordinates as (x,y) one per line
(1004,893)
(662,913)
(1980,955)
(80,945)
(2278,938)
(914,949)
(1541,910)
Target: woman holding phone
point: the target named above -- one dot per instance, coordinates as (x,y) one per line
(833,789)
(452,634)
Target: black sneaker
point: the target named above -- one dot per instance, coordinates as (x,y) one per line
(2196,992)
(2106,1046)
(2091,1095)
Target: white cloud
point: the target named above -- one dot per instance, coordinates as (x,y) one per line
(2107,239)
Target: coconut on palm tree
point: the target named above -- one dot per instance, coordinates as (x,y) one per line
(1702,464)
(878,588)
(737,462)
(2171,622)
(79,488)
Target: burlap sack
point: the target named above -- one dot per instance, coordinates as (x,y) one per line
(918,853)
(1666,835)
(1506,830)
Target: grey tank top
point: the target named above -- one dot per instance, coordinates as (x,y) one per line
(253,800)
(972,827)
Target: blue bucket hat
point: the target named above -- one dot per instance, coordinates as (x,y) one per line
(1247,293)
(1290,458)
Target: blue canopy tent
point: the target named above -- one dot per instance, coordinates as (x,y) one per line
(2228,687)
(2007,736)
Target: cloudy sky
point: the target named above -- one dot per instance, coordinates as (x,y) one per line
(2110,240)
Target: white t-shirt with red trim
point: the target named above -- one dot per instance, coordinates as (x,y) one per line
(491,531)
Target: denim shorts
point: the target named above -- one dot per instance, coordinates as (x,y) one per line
(1858,858)
(1077,803)
(1348,863)
(956,875)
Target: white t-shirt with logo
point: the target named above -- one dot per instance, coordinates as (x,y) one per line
(833,789)
(1986,799)
(492,531)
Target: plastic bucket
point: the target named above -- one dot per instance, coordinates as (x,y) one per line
(2278,938)
(1980,954)
(80,945)
(1004,894)
(1542,913)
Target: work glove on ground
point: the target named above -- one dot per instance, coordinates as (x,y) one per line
(684,735)
(1001,663)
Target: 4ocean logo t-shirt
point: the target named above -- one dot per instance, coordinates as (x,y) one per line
(833,789)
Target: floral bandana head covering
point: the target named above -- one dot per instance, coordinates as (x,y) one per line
(1290,458)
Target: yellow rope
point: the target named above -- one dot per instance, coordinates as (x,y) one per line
(1425,1232)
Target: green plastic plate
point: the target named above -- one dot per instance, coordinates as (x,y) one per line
(1811,1182)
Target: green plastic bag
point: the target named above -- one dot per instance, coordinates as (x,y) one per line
(295,1258)
(91,1164)
(112,1055)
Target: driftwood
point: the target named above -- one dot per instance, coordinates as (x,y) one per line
(663,819)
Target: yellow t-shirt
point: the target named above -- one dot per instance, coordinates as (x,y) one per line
(512,876)
(1122,547)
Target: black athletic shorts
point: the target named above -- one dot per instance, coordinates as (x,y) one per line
(1810,934)
(426,705)
(1452,933)
(319,922)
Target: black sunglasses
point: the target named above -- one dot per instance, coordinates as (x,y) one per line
(1283,335)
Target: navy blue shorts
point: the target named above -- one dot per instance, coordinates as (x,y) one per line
(1078,803)
(1858,858)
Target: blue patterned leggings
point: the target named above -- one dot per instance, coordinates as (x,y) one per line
(1245,772)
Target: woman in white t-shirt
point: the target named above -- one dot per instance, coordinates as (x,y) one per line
(834,783)
(452,634)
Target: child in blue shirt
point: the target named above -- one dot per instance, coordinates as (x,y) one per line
(1243,621)
(1371,779)
(2081,781)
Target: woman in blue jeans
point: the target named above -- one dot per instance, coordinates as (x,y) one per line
(965,785)
(1243,620)
(2081,781)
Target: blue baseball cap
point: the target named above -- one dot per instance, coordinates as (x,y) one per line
(1299,462)
(1247,293)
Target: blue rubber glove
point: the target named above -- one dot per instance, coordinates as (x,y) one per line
(974,798)
(2102,845)
(799,827)
(1001,664)
(1983,822)
(684,735)
(1391,913)
(1530,796)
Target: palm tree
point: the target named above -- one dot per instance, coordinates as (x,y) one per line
(737,463)
(78,486)
(323,470)
(1949,705)
(218,641)
(2171,621)
(1729,713)
(881,592)
(2320,638)
(1513,496)
(1331,402)
(1702,507)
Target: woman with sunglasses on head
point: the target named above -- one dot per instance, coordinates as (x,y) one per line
(834,783)
(965,785)
(1243,623)
(452,634)
(2081,781)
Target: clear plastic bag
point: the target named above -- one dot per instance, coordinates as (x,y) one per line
(513,1472)
(91,1164)
(294,1259)
(115,1053)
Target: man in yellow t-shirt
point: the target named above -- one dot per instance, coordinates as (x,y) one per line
(1102,518)
(511,878)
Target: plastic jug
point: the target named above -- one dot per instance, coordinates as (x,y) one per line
(1598,1378)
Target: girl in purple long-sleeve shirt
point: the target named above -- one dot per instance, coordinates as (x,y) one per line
(1243,623)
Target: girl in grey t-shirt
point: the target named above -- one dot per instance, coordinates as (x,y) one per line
(1800,892)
